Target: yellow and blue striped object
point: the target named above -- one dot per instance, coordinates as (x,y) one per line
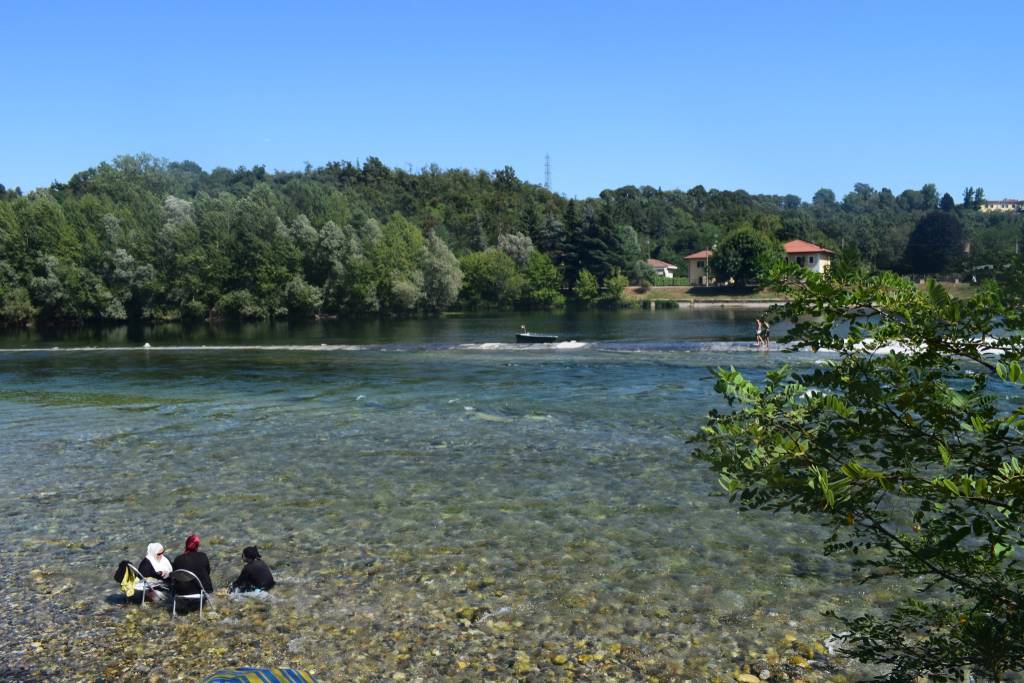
(251,674)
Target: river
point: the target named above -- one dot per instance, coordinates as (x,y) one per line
(436,502)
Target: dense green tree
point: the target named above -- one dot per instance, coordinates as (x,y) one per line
(587,289)
(517,245)
(947,203)
(936,245)
(768,224)
(600,247)
(301,298)
(824,199)
(442,277)
(240,305)
(906,444)
(543,282)
(490,278)
(396,259)
(163,240)
(613,289)
(929,197)
(969,198)
(742,255)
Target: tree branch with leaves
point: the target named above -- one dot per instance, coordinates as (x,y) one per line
(905,438)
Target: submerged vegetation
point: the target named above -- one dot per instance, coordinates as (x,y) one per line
(908,447)
(141,238)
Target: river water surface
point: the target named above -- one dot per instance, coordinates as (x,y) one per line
(436,503)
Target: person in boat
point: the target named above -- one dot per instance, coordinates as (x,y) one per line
(255,574)
(156,567)
(522,328)
(195,561)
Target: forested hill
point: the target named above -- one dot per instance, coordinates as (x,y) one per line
(143,238)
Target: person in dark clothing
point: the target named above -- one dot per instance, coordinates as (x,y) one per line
(196,562)
(255,574)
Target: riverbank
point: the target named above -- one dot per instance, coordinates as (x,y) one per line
(738,296)
(702,296)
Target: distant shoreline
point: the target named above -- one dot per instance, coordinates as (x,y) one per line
(743,303)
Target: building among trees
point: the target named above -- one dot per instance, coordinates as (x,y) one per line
(810,256)
(1003,205)
(661,268)
(697,268)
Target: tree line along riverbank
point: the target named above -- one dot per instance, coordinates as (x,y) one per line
(140,238)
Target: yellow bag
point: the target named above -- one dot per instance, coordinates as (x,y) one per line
(128,583)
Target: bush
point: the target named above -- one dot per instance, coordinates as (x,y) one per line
(194,311)
(302,299)
(587,291)
(16,307)
(239,305)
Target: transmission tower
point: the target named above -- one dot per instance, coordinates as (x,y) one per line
(547,172)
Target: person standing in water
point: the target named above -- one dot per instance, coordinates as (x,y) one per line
(758,332)
(766,332)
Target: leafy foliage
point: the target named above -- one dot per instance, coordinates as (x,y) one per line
(906,442)
(145,238)
(937,244)
(742,256)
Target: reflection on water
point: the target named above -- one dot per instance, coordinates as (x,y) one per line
(691,324)
(432,505)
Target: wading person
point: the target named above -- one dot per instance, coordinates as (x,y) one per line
(255,574)
(758,332)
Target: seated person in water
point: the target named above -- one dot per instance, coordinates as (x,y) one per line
(255,574)
(156,568)
(196,562)
(154,565)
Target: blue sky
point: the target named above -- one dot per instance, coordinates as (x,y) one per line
(771,97)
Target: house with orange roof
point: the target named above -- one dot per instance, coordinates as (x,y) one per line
(697,269)
(662,268)
(810,256)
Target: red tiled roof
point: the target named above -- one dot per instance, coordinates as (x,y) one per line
(655,263)
(700,254)
(801,247)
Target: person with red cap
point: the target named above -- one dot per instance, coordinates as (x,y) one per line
(195,561)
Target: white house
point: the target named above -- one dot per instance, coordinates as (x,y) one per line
(1003,205)
(698,268)
(810,256)
(661,268)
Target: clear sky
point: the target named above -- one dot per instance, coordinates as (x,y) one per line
(771,97)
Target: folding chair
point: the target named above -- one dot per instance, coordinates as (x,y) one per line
(185,575)
(139,578)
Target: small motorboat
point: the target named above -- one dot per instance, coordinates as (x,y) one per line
(535,338)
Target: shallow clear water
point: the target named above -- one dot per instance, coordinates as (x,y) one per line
(434,501)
